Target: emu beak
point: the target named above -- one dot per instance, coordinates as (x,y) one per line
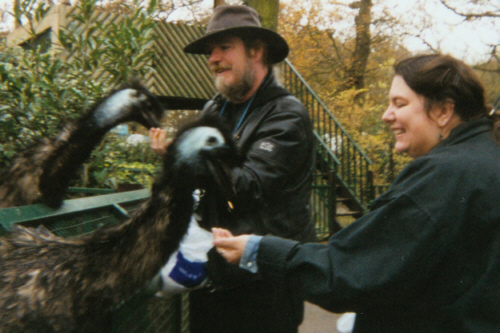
(221,172)
(151,118)
(151,115)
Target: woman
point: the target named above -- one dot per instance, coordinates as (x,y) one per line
(426,258)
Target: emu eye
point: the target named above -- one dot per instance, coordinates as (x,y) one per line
(212,141)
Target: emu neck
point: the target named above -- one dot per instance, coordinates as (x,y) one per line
(70,150)
(130,255)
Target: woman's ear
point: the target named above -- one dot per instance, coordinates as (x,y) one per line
(443,113)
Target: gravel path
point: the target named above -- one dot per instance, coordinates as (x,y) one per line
(317,320)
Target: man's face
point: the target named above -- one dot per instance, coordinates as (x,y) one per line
(232,68)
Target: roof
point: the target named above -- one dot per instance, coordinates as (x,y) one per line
(184,77)
(180,74)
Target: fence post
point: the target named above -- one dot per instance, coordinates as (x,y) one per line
(369,186)
(333,226)
(176,314)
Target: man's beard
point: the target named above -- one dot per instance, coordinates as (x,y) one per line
(235,92)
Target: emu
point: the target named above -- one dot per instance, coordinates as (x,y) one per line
(41,174)
(53,284)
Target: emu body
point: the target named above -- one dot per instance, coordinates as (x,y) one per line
(52,284)
(42,173)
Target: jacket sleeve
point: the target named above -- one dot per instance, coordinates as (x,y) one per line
(393,257)
(275,159)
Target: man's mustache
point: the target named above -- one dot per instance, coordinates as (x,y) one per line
(219,68)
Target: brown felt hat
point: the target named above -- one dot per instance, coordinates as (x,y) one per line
(239,20)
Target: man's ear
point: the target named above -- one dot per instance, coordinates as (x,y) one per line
(257,52)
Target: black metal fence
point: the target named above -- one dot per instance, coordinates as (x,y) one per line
(323,199)
(353,169)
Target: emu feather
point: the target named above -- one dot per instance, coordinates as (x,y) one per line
(52,284)
(42,173)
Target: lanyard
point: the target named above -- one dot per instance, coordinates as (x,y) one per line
(242,116)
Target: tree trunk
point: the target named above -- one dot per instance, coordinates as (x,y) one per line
(17,14)
(219,2)
(268,12)
(355,73)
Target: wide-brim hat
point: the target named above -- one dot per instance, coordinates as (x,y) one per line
(239,20)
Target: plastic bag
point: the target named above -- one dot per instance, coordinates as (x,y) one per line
(345,324)
(186,268)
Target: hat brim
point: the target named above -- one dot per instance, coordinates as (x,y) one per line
(278,47)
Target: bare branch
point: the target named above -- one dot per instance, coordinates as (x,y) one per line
(471,15)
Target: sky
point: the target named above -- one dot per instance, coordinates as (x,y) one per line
(450,34)
(464,40)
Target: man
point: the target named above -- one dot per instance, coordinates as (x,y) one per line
(273,187)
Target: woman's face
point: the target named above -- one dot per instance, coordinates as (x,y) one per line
(416,133)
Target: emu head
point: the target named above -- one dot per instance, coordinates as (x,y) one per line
(131,102)
(202,155)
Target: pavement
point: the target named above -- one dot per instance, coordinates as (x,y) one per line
(317,320)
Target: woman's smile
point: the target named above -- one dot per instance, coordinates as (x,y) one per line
(415,132)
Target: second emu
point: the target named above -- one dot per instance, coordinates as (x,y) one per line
(53,284)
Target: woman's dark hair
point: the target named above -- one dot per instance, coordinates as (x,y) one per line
(440,78)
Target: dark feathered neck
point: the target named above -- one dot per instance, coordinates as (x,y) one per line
(137,249)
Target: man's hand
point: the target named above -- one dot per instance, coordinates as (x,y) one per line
(157,140)
(229,246)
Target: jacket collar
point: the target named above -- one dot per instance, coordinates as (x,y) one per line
(467,130)
(269,90)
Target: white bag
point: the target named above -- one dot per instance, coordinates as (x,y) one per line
(186,268)
(345,324)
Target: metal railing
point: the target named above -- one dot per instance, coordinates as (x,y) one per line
(353,169)
(380,189)
(323,199)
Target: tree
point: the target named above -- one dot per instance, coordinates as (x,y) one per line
(219,2)
(41,90)
(481,8)
(329,59)
(354,76)
(433,19)
(268,12)
(325,40)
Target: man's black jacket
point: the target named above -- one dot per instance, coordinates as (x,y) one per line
(274,184)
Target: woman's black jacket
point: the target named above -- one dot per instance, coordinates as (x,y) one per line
(425,259)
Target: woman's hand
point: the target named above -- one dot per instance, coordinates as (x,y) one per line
(229,246)
(157,140)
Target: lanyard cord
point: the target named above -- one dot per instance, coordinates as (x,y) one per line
(242,116)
